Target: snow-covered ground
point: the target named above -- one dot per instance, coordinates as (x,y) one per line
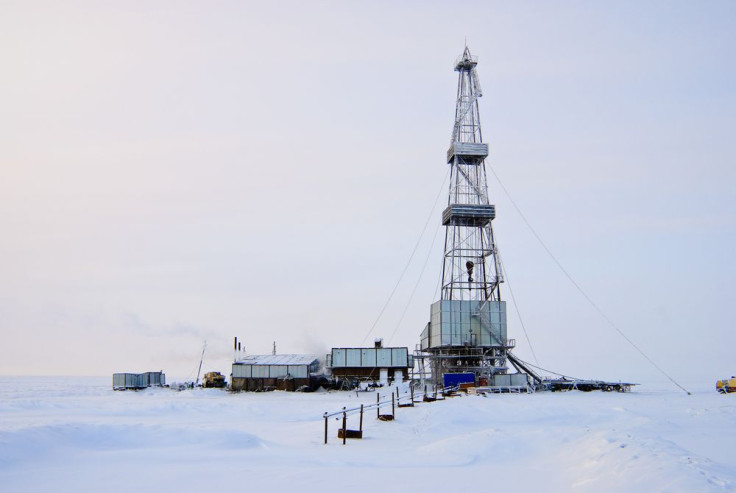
(76,434)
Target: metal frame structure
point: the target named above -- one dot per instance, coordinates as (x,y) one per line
(467,329)
(468,216)
(467,332)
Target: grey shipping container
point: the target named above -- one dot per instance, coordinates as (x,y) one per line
(121,381)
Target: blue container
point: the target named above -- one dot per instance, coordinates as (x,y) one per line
(455,379)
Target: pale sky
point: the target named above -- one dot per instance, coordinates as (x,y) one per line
(175,172)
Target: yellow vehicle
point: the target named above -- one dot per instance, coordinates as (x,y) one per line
(214,379)
(726,386)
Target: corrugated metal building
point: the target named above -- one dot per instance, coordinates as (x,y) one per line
(133,381)
(279,371)
(370,362)
(460,323)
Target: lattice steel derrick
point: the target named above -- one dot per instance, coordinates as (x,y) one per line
(471,269)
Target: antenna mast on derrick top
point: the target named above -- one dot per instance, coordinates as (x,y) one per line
(467,329)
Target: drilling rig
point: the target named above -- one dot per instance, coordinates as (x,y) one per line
(466,339)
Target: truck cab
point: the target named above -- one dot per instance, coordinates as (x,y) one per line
(726,386)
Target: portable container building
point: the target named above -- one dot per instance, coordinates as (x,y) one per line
(516,380)
(278,371)
(155,378)
(367,362)
(134,381)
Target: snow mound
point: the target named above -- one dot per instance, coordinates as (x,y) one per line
(45,442)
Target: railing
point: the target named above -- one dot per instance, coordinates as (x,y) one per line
(395,401)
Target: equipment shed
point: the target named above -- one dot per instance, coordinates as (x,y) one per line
(370,362)
(266,372)
(136,381)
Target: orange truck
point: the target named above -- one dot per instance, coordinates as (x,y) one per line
(726,386)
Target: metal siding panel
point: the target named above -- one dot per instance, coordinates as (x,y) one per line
(259,371)
(368,357)
(242,371)
(485,337)
(446,331)
(435,335)
(447,315)
(519,379)
(424,338)
(383,358)
(466,309)
(338,358)
(399,357)
(502,307)
(435,338)
(496,313)
(277,371)
(435,327)
(502,380)
(155,378)
(298,371)
(352,358)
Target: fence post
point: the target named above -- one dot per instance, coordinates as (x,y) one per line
(393,407)
(411,387)
(344,426)
(325,428)
(361,418)
(378,405)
